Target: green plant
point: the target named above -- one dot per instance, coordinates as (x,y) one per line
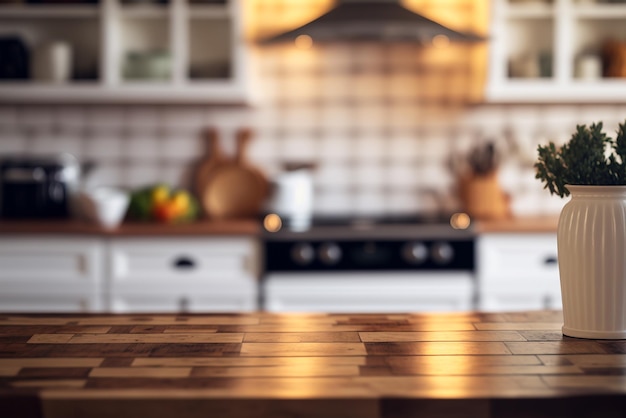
(590,157)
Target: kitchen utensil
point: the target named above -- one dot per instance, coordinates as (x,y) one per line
(52,62)
(482,159)
(483,197)
(213,158)
(292,196)
(589,67)
(148,65)
(235,189)
(105,206)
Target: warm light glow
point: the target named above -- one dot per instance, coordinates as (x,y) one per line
(441,41)
(460,221)
(272,223)
(303,42)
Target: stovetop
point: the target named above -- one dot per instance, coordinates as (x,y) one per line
(409,226)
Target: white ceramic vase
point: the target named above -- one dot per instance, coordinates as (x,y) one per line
(592,262)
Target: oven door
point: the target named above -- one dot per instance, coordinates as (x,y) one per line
(374,292)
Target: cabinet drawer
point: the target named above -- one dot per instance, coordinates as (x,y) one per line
(233,301)
(516,301)
(518,256)
(182,261)
(62,302)
(50,263)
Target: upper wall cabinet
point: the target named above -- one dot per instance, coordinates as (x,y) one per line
(557,51)
(122,51)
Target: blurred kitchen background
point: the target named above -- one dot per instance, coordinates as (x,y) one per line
(380,121)
(387,128)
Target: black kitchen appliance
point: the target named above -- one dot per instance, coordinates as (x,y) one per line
(37,187)
(401,263)
(14,59)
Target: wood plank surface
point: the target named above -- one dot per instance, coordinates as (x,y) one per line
(201,227)
(307,365)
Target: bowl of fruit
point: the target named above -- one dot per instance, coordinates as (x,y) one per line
(164,204)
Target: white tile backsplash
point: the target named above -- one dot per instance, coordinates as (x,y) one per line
(357,112)
(369,203)
(142,175)
(182,145)
(333,176)
(334,202)
(37,117)
(44,142)
(145,117)
(144,144)
(12,141)
(8,116)
(106,174)
(71,141)
(299,147)
(369,176)
(71,117)
(110,117)
(336,147)
(105,144)
(404,147)
(185,118)
(370,148)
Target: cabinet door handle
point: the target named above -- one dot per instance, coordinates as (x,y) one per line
(550,260)
(184,263)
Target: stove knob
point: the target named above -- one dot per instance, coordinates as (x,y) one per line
(442,253)
(330,253)
(415,253)
(302,254)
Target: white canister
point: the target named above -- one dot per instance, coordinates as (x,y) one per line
(589,67)
(293,198)
(52,62)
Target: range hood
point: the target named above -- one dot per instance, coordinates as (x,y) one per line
(372,20)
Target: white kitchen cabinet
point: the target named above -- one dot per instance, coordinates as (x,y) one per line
(545,51)
(178,51)
(518,271)
(78,274)
(44,274)
(185,274)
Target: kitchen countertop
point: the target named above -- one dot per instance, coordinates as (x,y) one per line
(298,365)
(530,224)
(537,224)
(75,227)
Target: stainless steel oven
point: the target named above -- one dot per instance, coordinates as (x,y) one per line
(397,264)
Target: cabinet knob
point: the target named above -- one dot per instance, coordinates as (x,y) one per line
(415,253)
(302,254)
(184,263)
(442,253)
(550,260)
(330,253)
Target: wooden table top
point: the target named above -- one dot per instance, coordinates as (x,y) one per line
(306,365)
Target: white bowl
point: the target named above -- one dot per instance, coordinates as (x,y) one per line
(105,206)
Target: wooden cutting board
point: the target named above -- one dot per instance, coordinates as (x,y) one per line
(235,188)
(213,158)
